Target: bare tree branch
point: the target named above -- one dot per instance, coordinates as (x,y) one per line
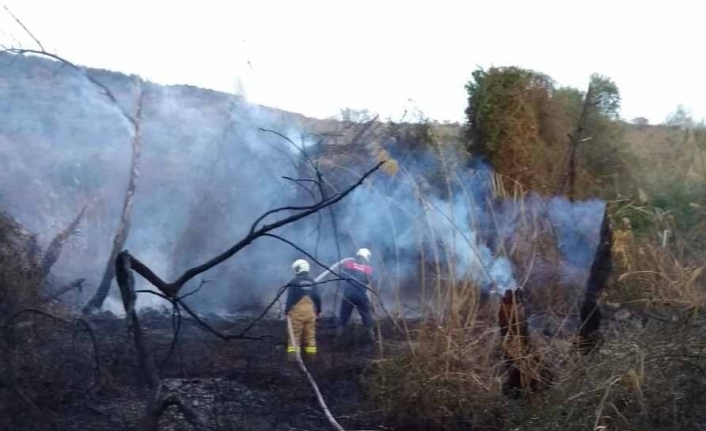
(155,403)
(76,284)
(80,321)
(217,333)
(55,246)
(366,127)
(176,319)
(119,240)
(574,140)
(272,303)
(288,139)
(104,89)
(171,289)
(195,291)
(25,28)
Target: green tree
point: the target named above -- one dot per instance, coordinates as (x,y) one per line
(519,121)
(605,97)
(498,107)
(510,123)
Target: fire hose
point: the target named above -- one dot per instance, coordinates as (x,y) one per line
(332,268)
(329,271)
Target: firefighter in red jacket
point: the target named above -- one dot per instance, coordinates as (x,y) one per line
(355,292)
(302,309)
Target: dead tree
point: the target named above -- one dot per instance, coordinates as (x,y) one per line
(156,401)
(575,138)
(124,227)
(589,334)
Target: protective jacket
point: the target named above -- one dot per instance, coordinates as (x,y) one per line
(355,294)
(300,286)
(360,274)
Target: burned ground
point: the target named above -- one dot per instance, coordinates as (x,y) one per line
(52,383)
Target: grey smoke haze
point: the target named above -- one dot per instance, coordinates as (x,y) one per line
(404,215)
(207,172)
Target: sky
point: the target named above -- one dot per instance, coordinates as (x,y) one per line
(317,57)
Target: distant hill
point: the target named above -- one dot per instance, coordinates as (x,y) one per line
(63,144)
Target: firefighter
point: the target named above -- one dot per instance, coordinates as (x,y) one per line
(303,307)
(355,292)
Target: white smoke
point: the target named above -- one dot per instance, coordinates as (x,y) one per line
(208,171)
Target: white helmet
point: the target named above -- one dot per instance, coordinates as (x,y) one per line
(300,265)
(363,253)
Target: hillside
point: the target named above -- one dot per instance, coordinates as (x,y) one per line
(64,145)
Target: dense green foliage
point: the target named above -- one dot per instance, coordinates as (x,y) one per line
(497,104)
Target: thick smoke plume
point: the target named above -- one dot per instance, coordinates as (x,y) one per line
(208,171)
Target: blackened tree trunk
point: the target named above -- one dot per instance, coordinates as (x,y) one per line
(589,334)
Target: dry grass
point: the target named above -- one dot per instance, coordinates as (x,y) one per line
(650,374)
(20,275)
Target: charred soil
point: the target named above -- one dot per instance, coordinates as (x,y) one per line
(51,381)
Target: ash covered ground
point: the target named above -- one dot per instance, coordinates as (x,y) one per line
(233,385)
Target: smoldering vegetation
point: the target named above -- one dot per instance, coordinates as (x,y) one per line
(207,170)
(452,242)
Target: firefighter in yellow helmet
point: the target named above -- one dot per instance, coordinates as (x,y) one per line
(303,307)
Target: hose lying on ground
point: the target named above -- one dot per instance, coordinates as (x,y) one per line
(312,382)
